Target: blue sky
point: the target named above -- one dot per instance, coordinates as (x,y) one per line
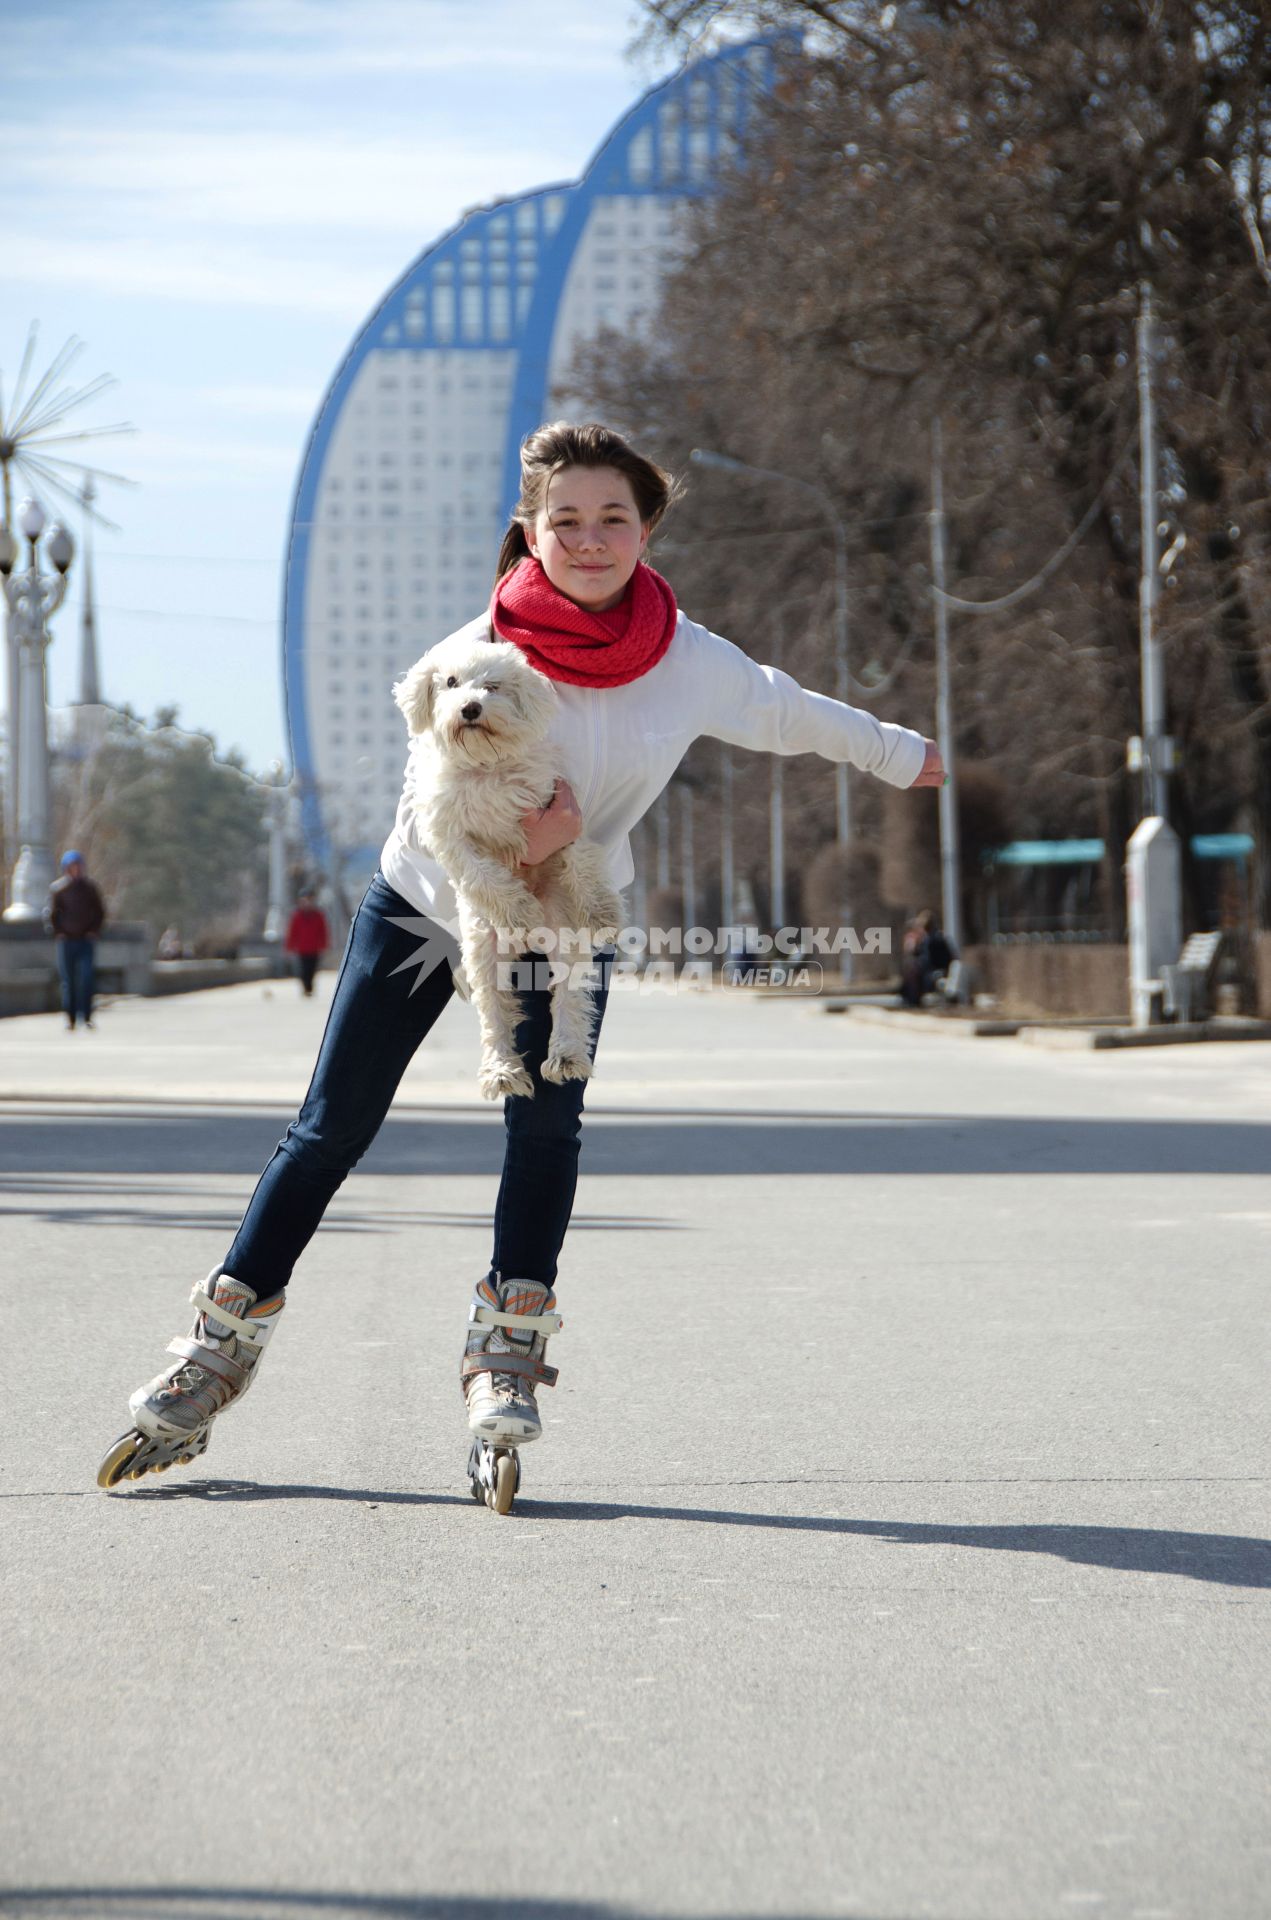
(213,194)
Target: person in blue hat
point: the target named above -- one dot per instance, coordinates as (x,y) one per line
(74,916)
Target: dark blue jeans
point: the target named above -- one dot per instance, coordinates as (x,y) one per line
(75,969)
(381,1011)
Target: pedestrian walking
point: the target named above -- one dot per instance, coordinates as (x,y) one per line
(75,915)
(637,681)
(308,937)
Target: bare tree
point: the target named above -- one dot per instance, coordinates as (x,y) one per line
(948,213)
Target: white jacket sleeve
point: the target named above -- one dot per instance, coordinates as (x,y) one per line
(753,706)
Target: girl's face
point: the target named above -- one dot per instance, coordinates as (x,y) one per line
(588,535)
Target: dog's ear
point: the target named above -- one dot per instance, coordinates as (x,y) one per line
(414,695)
(534,697)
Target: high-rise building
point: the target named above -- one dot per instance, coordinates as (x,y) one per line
(411,470)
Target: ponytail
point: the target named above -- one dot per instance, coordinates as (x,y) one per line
(515,547)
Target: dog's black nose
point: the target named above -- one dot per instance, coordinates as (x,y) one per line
(472,711)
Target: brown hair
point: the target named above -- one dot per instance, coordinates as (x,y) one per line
(551,448)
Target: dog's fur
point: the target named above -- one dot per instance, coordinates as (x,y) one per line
(479,713)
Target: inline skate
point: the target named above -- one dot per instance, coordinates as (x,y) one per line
(216,1363)
(510,1323)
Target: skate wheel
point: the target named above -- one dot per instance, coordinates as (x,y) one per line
(504,1489)
(115,1464)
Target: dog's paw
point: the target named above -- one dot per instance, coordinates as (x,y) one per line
(559,1067)
(505,1079)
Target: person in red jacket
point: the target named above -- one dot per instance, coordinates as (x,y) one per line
(308,938)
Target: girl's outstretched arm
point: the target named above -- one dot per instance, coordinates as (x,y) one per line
(750,705)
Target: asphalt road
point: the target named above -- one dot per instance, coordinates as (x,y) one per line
(896,1546)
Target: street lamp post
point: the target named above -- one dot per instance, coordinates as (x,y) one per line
(31,596)
(276,911)
(776,805)
(950,856)
(726,887)
(724,463)
(688,866)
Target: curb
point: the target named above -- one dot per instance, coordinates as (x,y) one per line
(1121,1038)
(1056,1036)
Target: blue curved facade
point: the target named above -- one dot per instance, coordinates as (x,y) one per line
(412,467)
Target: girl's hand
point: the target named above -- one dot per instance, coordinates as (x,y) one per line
(933,773)
(549,828)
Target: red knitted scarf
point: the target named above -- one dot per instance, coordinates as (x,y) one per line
(567,642)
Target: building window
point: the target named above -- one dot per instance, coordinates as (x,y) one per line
(669,139)
(500,313)
(443,312)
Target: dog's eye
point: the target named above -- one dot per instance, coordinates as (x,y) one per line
(492,686)
(452,682)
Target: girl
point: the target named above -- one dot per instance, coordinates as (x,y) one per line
(637,683)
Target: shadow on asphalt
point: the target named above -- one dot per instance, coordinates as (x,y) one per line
(865,1144)
(248,1903)
(46,1199)
(1229,1560)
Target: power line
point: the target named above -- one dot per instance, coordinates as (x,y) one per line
(1056,559)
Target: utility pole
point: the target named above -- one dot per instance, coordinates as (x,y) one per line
(724,463)
(688,876)
(1152,867)
(1157,758)
(776,816)
(13,657)
(950,862)
(725,834)
(662,816)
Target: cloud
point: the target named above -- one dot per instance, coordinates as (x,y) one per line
(160,268)
(186,178)
(303,42)
(173,456)
(157,169)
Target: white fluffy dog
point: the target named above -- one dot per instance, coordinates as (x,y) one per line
(479,712)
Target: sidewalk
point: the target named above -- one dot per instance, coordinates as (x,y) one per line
(895,1548)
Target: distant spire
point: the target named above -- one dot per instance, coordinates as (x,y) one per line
(89,689)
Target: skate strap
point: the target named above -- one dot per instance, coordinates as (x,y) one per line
(517,1363)
(546,1323)
(254,1332)
(211,1359)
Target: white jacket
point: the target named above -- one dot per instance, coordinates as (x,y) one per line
(619,747)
